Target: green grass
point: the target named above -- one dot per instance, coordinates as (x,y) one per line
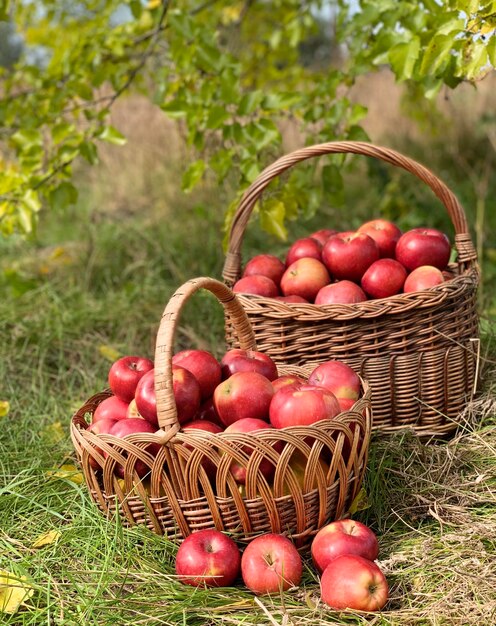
(103,281)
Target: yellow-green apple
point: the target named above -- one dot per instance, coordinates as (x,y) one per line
(244,394)
(257,285)
(294,299)
(306,247)
(423,246)
(352,582)
(208,558)
(266,467)
(344,536)
(203,365)
(302,405)
(384,278)
(288,379)
(341,292)
(384,233)
(101,427)
(132,410)
(348,257)
(239,360)
(298,464)
(337,377)
(131,426)
(208,427)
(271,564)
(423,277)
(111,408)
(323,235)
(265,265)
(125,373)
(305,278)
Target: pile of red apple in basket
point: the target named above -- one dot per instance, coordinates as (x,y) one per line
(375,261)
(243,392)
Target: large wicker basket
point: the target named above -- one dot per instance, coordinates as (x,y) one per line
(172,493)
(418,350)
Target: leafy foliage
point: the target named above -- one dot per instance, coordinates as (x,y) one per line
(231,73)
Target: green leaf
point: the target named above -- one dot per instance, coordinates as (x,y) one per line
(217,116)
(250,102)
(136,8)
(89,152)
(63,196)
(31,200)
(112,135)
(333,184)
(174,109)
(61,130)
(193,175)
(26,138)
(278,101)
(436,54)
(491,51)
(272,214)
(403,57)
(477,60)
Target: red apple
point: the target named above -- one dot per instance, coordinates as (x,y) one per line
(125,374)
(302,405)
(257,285)
(265,265)
(342,292)
(111,408)
(289,379)
(293,299)
(203,365)
(208,557)
(352,582)
(304,278)
(337,377)
(250,425)
(306,247)
(271,564)
(344,536)
(423,277)
(131,426)
(384,278)
(423,246)
(101,427)
(209,427)
(146,402)
(348,257)
(238,360)
(244,394)
(207,412)
(384,233)
(323,235)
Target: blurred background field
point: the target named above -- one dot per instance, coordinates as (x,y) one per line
(93,283)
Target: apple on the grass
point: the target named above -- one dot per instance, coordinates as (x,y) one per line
(305,278)
(239,360)
(423,246)
(353,582)
(204,366)
(266,467)
(111,408)
(265,265)
(423,277)
(341,292)
(244,394)
(344,536)
(384,278)
(323,234)
(306,247)
(257,285)
(384,233)
(347,257)
(125,373)
(339,378)
(302,405)
(208,558)
(271,564)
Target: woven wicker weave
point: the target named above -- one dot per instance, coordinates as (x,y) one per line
(418,350)
(176,497)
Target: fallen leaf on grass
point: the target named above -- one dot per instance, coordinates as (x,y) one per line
(46,539)
(4,408)
(67,471)
(109,353)
(55,432)
(360,503)
(14,591)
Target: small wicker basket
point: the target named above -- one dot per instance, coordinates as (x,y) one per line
(419,351)
(169,490)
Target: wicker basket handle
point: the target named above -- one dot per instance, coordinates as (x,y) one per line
(463,242)
(166,407)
